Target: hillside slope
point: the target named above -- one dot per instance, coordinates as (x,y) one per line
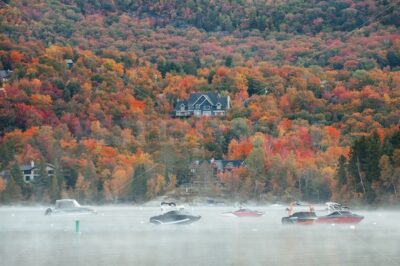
(315,89)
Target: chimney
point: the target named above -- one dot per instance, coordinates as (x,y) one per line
(32,164)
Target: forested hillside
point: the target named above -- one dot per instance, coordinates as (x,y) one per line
(315,90)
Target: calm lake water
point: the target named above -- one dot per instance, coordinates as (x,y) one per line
(123,236)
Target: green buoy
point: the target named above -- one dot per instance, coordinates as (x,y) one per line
(77,227)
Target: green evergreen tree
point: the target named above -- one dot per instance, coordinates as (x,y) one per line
(59,173)
(372,158)
(341,172)
(7,152)
(25,188)
(70,175)
(13,193)
(54,189)
(395,141)
(364,164)
(387,147)
(95,190)
(41,182)
(356,166)
(16,173)
(139,183)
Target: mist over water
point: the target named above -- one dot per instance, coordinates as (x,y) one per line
(123,236)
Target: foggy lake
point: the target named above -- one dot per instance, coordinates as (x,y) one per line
(123,236)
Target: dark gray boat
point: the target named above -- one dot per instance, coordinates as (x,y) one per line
(173,215)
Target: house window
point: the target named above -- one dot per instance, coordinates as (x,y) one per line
(197,106)
(27,178)
(27,172)
(218,106)
(206,107)
(50,172)
(182,107)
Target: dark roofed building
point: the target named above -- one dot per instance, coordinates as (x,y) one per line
(4,174)
(225,165)
(30,171)
(218,166)
(69,63)
(4,75)
(203,104)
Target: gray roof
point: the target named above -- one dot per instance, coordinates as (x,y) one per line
(25,167)
(221,164)
(29,167)
(180,102)
(5,174)
(213,97)
(5,73)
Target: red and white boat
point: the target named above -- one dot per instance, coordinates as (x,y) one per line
(339,215)
(243,212)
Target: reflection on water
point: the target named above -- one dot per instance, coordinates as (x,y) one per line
(123,236)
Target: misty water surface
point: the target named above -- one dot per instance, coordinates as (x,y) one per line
(123,236)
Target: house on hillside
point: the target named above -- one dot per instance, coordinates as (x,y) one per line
(203,175)
(203,104)
(4,75)
(217,166)
(222,166)
(3,92)
(30,171)
(69,63)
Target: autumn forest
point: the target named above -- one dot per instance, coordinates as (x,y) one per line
(90,87)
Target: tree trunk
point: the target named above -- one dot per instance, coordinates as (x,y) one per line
(395,190)
(359,174)
(306,188)
(255,188)
(299,180)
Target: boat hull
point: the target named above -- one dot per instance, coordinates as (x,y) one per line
(72,211)
(340,220)
(247,213)
(287,220)
(174,219)
(301,218)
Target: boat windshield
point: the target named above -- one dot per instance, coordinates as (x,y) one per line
(64,204)
(171,213)
(304,214)
(337,213)
(176,212)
